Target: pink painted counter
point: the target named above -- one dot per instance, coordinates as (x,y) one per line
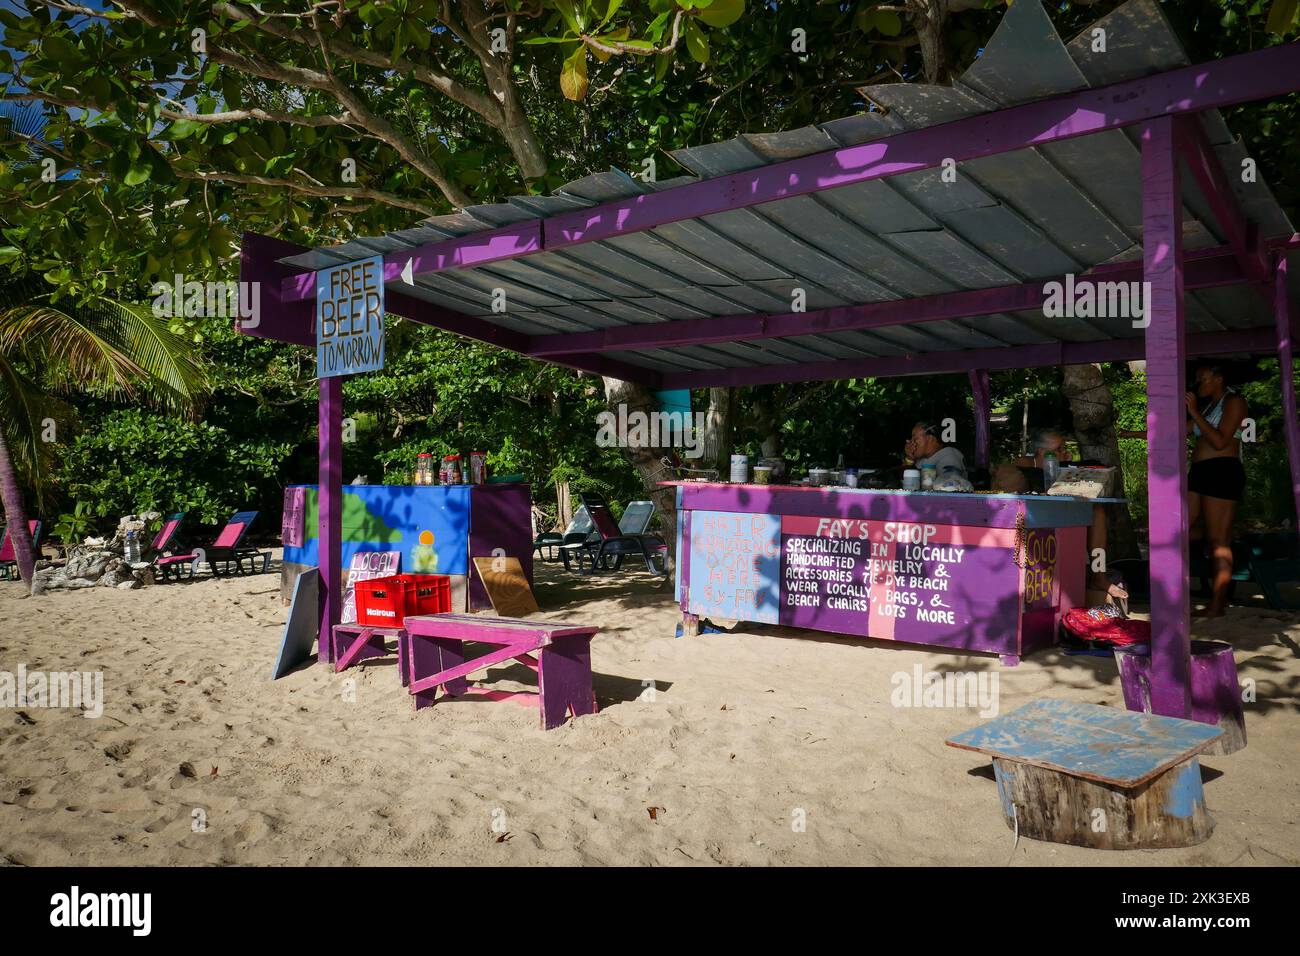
(989,573)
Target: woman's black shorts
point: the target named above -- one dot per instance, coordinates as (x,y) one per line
(1218,478)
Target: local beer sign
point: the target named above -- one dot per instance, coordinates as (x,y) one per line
(350,318)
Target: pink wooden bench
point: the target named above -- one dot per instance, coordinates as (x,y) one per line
(436,654)
(356,642)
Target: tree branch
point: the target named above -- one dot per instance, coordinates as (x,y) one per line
(346,192)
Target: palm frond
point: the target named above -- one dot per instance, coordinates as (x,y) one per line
(68,348)
(107,346)
(173,375)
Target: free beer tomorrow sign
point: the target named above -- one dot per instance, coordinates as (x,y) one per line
(350,318)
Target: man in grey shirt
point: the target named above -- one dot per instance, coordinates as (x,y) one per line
(925,448)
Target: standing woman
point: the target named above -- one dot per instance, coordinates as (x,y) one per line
(1217,479)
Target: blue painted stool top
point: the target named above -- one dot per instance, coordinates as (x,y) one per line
(1105,744)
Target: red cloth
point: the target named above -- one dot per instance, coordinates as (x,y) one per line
(1120,632)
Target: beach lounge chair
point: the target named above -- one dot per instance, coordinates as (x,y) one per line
(228,550)
(610,542)
(9,556)
(547,544)
(167,566)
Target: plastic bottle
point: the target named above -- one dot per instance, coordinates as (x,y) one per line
(928,473)
(1051,468)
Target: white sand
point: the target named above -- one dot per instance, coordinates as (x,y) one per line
(745,733)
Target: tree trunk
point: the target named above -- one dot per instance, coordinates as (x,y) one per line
(719,430)
(563,506)
(766,421)
(16,518)
(1093,408)
(639,398)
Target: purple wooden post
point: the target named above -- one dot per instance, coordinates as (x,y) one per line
(1283,316)
(330,510)
(1162,253)
(564,680)
(979,387)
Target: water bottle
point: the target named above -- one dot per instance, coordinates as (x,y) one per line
(132,549)
(1051,468)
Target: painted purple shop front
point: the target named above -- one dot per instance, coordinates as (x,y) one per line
(996,582)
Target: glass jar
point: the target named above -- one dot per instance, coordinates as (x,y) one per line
(424,468)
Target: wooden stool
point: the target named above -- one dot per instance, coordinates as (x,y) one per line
(1097,776)
(437,659)
(1216,695)
(356,642)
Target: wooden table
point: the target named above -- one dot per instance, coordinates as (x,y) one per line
(1097,776)
(436,652)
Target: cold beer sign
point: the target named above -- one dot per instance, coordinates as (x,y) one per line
(350,318)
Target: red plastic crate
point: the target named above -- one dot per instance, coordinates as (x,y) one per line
(384,602)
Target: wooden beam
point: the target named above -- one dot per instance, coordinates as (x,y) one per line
(1283,312)
(960,361)
(1167,522)
(1209,268)
(1240,235)
(1259,74)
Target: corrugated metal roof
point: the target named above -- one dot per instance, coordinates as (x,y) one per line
(1013,217)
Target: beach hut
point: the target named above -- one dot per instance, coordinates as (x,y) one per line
(924,235)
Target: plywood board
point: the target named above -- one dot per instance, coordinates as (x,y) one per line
(301,628)
(506,585)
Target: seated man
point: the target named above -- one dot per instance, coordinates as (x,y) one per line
(1050,440)
(1045,440)
(925,448)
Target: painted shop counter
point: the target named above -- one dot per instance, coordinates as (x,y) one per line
(436,529)
(974,572)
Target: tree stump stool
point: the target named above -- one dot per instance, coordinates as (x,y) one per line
(1097,776)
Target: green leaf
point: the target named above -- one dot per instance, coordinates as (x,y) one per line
(570,14)
(59,49)
(889,23)
(1282,16)
(573,76)
(610,11)
(662,62)
(182,128)
(697,44)
(9,254)
(138,172)
(723,13)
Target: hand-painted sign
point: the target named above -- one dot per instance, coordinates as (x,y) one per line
(350,318)
(926,583)
(295,512)
(735,566)
(366,565)
(899,580)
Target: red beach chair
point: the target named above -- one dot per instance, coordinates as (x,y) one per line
(169,565)
(228,550)
(9,556)
(610,541)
